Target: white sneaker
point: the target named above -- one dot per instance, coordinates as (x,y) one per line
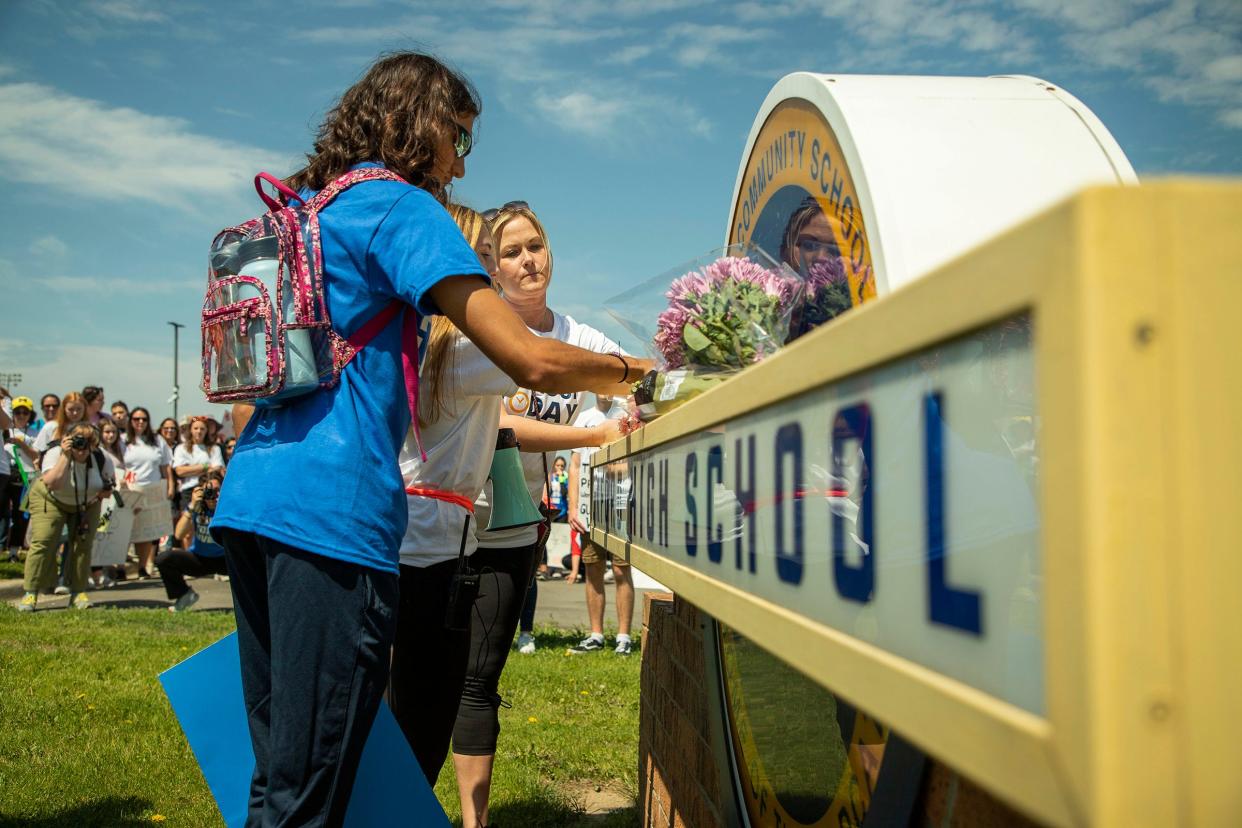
(61,589)
(526,644)
(609,577)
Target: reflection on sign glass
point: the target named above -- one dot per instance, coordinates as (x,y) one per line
(804,757)
(897,506)
(799,204)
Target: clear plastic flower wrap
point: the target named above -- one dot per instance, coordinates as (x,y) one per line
(707,319)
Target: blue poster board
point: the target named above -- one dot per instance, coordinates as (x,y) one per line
(205,693)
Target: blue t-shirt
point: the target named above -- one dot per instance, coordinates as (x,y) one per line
(320,472)
(201,542)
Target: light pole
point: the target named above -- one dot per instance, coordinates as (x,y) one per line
(176,394)
(10,380)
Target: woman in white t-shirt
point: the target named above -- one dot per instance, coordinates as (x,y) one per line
(195,456)
(459,413)
(524,272)
(150,483)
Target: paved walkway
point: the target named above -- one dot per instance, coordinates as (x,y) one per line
(560,604)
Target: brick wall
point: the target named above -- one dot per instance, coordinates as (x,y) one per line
(678,777)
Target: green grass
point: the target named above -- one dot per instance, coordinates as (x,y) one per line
(12,569)
(88,739)
(88,736)
(573,726)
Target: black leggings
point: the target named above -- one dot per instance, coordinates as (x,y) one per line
(505,574)
(428,665)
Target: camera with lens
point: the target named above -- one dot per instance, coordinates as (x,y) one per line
(78,442)
(210,494)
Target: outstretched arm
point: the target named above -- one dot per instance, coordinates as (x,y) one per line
(532,361)
(535,435)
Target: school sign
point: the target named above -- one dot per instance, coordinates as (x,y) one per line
(993,512)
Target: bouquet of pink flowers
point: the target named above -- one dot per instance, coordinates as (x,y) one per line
(726,311)
(726,315)
(827,294)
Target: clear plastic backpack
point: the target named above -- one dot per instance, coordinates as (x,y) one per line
(266,332)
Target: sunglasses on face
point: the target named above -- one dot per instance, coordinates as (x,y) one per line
(52,406)
(139,419)
(490,215)
(812,247)
(464,141)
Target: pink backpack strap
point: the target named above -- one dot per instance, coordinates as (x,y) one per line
(409,354)
(287,195)
(341,183)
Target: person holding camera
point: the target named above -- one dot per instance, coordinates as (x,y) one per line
(191,459)
(76,477)
(204,556)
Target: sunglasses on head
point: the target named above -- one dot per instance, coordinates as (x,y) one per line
(464,141)
(490,215)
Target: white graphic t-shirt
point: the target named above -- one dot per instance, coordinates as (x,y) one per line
(548,408)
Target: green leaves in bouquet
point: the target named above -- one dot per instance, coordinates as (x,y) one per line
(731,324)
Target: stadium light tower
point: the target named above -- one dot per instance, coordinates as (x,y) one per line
(176,394)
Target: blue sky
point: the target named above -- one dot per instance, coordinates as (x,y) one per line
(130,130)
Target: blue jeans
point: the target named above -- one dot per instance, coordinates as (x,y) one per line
(314,635)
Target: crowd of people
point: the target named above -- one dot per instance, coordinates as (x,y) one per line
(344,500)
(92,492)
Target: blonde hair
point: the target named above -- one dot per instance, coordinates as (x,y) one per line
(509,213)
(439,363)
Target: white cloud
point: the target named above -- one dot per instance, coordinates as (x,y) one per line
(1226,69)
(526,50)
(629,54)
(900,28)
(138,377)
(580,112)
(48,247)
(1232,118)
(1187,51)
(617,113)
(129,11)
(103,286)
(86,148)
(695,44)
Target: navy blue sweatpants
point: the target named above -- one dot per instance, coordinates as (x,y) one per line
(314,635)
